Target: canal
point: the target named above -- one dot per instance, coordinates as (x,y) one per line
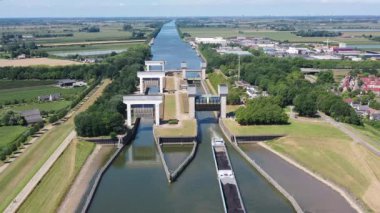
(136,181)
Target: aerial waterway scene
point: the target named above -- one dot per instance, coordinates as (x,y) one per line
(136,179)
(193,114)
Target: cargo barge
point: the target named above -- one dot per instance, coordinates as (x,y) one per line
(232,201)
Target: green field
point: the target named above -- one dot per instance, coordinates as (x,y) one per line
(31,93)
(10,133)
(275,35)
(9,84)
(43,106)
(93,47)
(59,178)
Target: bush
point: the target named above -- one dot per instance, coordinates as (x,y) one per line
(173,121)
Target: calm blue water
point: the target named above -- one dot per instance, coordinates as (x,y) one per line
(169,47)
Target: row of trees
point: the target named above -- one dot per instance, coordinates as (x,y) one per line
(106,116)
(317,33)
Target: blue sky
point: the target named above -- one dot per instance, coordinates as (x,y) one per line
(113,8)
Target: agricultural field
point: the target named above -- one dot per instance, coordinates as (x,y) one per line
(36,62)
(78,49)
(43,106)
(275,35)
(59,177)
(30,94)
(9,84)
(326,151)
(10,133)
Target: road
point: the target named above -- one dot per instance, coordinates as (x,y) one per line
(354,135)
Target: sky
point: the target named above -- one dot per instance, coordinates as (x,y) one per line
(147,8)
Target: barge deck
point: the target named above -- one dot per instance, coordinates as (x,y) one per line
(229,189)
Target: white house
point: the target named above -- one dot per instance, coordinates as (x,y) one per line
(216,40)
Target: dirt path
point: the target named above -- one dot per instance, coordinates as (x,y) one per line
(356,136)
(78,190)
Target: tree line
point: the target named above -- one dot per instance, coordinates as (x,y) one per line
(107,115)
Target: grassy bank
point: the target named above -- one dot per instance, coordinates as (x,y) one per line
(372,134)
(59,178)
(18,174)
(326,151)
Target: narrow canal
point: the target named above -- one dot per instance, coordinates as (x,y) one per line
(136,181)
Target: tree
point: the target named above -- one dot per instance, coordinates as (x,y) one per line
(264,110)
(127,27)
(305,105)
(325,77)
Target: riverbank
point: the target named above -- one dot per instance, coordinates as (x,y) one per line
(97,159)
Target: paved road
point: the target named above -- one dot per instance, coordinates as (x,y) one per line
(21,197)
(354,135)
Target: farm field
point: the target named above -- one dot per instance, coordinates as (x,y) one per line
(59,178)
(10,133)
(36,62)
(31,93)
(325,150)
(89,47)
(44,106)
(275,35)
(10,84)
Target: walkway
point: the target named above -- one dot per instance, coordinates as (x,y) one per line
(21,197)
(354,135)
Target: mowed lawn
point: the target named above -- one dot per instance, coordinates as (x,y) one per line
(52,189)
(186,128)
(170,107)
(275,35)
(31,93)
(10,133)
(327,151)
